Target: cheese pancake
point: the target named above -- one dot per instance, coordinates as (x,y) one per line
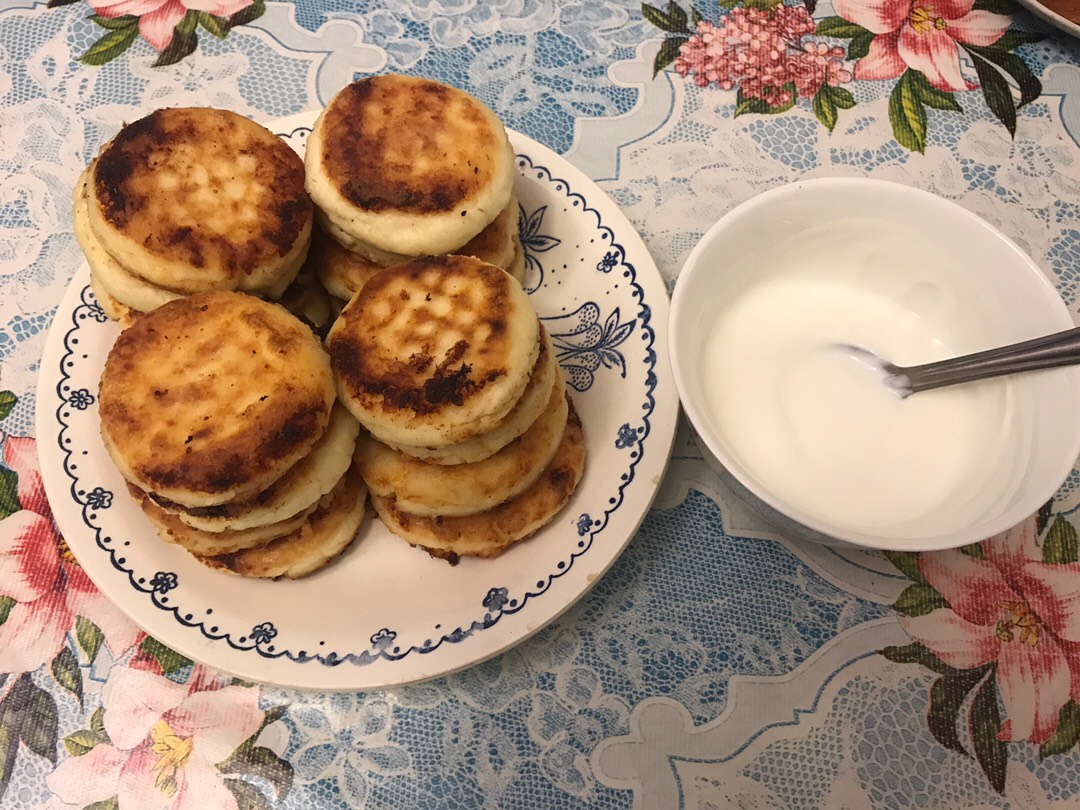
(197,199)
(343,271)
(490,533)
(326,533)
(493,245)
(306,481)
(465,489)
(545,377)
(173,530)
(212,398)
(113,309)
(123,286)
(434,352)
(126,288)
(409,165)
(307,299)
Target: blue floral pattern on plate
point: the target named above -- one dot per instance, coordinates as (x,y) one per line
(586,346)
(80,399)
(532,243)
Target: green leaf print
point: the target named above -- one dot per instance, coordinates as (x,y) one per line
(1067,734)
(985,720)
(673,20)
(7,402)
(918,600)
(184,41)
(908,115)
(1062,543)
(66,672)
(111,45)
(669,50)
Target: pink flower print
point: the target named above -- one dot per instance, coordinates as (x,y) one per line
(764,52)
(699,56)
(922,35)
(158,18)
(39,572)
(166,740)
(816,64)
(1011,608)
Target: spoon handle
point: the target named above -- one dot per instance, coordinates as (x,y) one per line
(1049,351)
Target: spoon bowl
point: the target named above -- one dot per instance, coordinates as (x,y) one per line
(983,290)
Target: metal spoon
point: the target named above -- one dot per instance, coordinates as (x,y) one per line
(1051,351)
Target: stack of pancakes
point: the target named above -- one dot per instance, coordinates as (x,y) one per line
(191,200)
(219,410)
(471,442)
(402,167)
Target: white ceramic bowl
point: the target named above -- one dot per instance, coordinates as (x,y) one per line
(1004,298)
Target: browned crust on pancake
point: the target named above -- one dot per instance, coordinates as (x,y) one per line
(342,272)
(433,489)
(422,384)
(494,244)
(114,310)
(177,422)
(373,126)
(545,375)
(173,530)
(299,476)
(127,193)
(306,549)
(451,557)
(489,534)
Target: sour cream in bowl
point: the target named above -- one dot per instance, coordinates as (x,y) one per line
(804,431)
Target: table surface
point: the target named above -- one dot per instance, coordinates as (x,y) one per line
(718,664)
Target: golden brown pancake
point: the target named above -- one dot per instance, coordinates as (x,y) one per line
(197,199)
(113,309)
(325,534)
(464,489)
(494,244)
(306,481)
(212,398)
(490,533)
(344,271)
(123,286)
(409,165)
(545,377)
(341,272)
(434,352)
(173,530)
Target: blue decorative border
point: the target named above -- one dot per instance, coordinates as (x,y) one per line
(496,603)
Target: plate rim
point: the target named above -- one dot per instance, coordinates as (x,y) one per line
(1052,17)
(661,420)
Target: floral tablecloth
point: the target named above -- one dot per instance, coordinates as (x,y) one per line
(718,664)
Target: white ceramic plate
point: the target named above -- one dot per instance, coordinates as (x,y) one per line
(384,613)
